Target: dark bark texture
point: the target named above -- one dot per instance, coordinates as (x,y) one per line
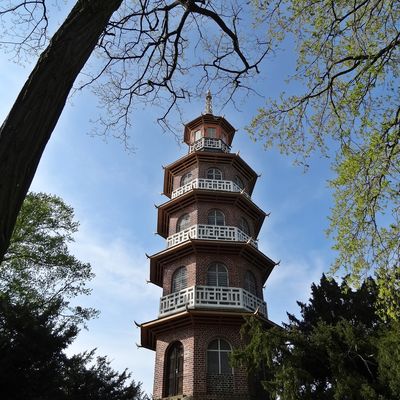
(31,121)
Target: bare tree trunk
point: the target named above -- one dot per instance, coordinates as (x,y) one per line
(28,127)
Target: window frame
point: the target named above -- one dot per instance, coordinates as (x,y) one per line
(239,182)
(212,173)
(186,178)
(179,227)
(220,353)
(221,274)
(215,217)
(250,282)
(243,223)
(174,369)
(197,135)
(214,130)
(179,279)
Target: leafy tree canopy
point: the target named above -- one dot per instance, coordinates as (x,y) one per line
(338,349)
(348,57)
(33,364)
(38,278)
(38,264)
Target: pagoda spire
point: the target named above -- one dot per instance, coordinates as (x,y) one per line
(208,103)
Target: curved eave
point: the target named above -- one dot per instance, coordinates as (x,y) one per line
(196,246)
(179,166)
(196,196)
(150,330)
(209,119)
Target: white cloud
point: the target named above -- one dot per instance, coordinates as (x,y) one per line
(290,282)
(122,295)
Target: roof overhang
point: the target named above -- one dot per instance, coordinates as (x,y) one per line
(196,246)
(209,119)
(195,196)
(181,165)
(150,330)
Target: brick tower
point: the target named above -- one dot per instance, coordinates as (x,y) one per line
(211,272)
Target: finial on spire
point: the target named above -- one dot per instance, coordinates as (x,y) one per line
(208,102)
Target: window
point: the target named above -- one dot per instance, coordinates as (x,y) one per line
(174,370)
(250,283)
(216,217)
(218,357)
(179,279)
(212,133)
(214,173)
(217,275)
(244,226)
(239,182)
(183,222)
(186,178)
(197,135)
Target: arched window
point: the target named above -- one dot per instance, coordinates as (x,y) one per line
(239,182)
(186,178)
(183,222)
(250,283)
(217,275)
(216,217)
(214,173)
(179,279)
(244,226)
(174,370)
(218,357)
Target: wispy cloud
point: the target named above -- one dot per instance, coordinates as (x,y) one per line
(290,282)
(122,295)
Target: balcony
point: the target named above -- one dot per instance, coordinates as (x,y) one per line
(211,297)
(208,184)
(210,232)
(209,144)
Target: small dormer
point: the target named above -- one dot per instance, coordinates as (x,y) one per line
(209,132)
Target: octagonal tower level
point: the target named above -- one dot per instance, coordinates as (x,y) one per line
(211,270)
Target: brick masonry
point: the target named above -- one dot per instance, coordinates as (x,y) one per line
(196,382)
(195,335)
(197,266)
(229,173)
(198,214)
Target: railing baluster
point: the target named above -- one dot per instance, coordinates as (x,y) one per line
(211,296)
(208,184)
(210,232)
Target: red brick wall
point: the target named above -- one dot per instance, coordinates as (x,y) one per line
(191,210)
(177,178)
(198,213)
(189,262)
(228,173)
(186,337)
(197,265)
(195,340)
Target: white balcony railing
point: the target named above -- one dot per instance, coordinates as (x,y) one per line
(210,232)
(208,184)
(209,143)
(211,297)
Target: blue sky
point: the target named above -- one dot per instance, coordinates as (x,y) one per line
(113,193)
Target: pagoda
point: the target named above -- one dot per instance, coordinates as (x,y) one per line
(211,272)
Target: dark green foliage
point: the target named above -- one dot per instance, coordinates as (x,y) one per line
(37,278)
(338,349)
(33,364)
